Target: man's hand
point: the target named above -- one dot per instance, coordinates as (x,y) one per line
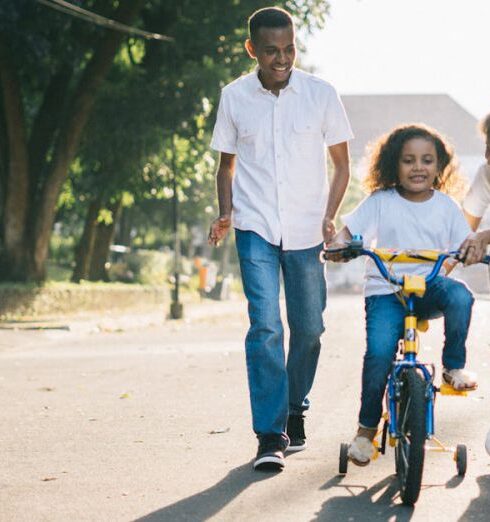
(218,230)
(328,229)
(474,247)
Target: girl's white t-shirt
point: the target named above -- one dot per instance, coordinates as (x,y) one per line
(387,220)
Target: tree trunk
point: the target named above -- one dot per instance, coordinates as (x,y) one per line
(85,247)
(103,241)
(27,240)
(123,230)
(12,264)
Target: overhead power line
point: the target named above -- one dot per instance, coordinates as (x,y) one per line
(88,16)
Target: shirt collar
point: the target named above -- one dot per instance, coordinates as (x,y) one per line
(294,81)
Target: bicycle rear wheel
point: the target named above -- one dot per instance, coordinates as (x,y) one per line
(409,451)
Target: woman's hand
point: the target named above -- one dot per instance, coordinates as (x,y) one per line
(474,247)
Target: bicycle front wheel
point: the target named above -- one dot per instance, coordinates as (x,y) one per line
(409,452)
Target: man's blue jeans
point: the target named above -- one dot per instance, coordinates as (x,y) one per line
(278,388)
(385,314)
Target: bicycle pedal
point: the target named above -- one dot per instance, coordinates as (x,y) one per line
(447,389)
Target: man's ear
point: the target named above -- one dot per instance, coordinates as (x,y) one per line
(249,46)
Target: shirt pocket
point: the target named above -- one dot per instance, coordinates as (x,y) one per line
(307,136)
(248,144)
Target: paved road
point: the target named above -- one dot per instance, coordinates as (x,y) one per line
(140,420)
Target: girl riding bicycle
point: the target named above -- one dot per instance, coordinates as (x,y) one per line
(410,170)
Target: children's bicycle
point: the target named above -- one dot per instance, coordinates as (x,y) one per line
(410,392)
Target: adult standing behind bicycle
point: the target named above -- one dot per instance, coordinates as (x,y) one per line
(409,171)
(272,128)
(476,203)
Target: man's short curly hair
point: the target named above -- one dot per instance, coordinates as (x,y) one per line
(268,17)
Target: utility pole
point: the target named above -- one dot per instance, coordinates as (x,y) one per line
(176,307)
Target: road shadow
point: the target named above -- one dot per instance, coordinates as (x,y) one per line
(478,508)
(360,503)
(202,506)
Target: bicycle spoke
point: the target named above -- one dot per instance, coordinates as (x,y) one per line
(403,422)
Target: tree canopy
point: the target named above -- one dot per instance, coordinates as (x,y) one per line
(105,106)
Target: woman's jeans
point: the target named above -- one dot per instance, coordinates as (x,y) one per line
(278,388)
(385,314)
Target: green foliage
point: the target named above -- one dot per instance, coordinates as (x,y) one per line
(61,249)
(353,197)
(154,113)
(150,267)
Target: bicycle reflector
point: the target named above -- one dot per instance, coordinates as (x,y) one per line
(414,284)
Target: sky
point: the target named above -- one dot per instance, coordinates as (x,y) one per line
(406,47)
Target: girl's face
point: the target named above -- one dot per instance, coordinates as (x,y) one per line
(417,169)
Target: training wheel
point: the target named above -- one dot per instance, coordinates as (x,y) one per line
(461,458)
(343,458)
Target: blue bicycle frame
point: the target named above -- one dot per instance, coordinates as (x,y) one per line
(409,359)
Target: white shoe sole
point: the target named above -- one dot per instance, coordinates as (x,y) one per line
(293,449)
(269,462)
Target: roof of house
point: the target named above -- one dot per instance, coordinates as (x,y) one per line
(374,115)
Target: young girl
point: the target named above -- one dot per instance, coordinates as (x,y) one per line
(407,209)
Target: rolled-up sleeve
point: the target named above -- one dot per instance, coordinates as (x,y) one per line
(336,126)
(225,133)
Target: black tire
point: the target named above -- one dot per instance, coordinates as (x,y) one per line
(410,449)
(461,459)
(343,458)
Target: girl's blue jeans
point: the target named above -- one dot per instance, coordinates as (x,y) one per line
(278,387)
(385,314)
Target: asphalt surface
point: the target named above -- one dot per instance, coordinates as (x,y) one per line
(136,418)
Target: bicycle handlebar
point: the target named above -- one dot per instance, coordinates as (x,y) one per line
(355,248)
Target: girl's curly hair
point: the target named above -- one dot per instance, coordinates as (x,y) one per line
(385,156)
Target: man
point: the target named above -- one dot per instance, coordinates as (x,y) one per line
(271,131)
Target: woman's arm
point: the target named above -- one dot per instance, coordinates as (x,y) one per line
(474,247)
(473,221)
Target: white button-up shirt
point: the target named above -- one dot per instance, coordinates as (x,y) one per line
(280,187)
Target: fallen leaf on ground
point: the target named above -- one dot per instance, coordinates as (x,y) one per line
(216,432)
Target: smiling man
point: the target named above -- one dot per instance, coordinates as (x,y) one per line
(273,128)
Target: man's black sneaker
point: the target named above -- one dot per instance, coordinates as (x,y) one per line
(296,433)
(270,456)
